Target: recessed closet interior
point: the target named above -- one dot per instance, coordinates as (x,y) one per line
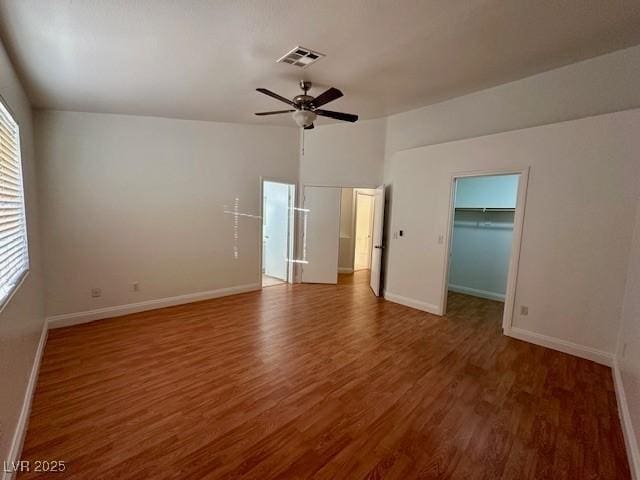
(482,235)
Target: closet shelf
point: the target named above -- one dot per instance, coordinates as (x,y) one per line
(465,209)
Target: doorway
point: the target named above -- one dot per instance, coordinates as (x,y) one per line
(363,231)
(328,234)
(277,232)
(486,220)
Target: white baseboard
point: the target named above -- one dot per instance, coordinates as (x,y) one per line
(598,356)
(477,293)
(345,270)
(76,318)
(23,419)
(410,302)
(627,426)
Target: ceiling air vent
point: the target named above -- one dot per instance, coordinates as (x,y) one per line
(301,57)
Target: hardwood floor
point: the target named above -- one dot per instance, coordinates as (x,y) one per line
(319,381)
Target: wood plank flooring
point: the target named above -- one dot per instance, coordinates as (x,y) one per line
(319,381)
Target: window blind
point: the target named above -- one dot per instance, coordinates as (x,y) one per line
(14,256)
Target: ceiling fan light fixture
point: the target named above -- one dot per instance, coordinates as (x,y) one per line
(304,118)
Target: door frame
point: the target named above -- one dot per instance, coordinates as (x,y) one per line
(355,225)
(516,242)
(291,244)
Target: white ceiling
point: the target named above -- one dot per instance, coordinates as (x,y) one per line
(203,59)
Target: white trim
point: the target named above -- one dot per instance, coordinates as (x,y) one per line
(477,293)
(345,270)
(410,302)
(23,420)
(582,351)
(633,453)
(516,242)
(68,319)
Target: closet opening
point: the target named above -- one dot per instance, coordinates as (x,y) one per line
(486,222)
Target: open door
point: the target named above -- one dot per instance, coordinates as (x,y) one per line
(378,227)
(321,227)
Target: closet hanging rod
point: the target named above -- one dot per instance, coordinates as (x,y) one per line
(469,209)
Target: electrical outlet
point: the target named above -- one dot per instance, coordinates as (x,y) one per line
(524,310)
(136,287)
(96,292)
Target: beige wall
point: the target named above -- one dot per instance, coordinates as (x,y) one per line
(22,318)
(140,199)
(344,154)
(603,84)
(583,186)
(628,354)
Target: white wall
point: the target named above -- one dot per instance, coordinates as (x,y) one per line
(480,253)
(140,199)
(495,191)
(582,190)
(344,154)
(22,318)
(603,84)
(628,354)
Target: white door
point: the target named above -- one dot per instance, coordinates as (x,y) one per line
(321,234)
(275,229)
(364,224)
(378,227)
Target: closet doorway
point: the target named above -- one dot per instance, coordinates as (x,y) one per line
(486,224)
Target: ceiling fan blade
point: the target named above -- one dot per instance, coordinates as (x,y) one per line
(275,95)
(309,127)
(326,97)
(275,112)
(347,117)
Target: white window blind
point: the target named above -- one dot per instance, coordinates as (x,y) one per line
(14,256)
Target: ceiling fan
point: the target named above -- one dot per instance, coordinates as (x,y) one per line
(306,108)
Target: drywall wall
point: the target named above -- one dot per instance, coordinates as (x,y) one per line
(603,84)
(22,318)
(480,253)
(495,191)
(582,191)
(171,204)
(628,353)
(344,155)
